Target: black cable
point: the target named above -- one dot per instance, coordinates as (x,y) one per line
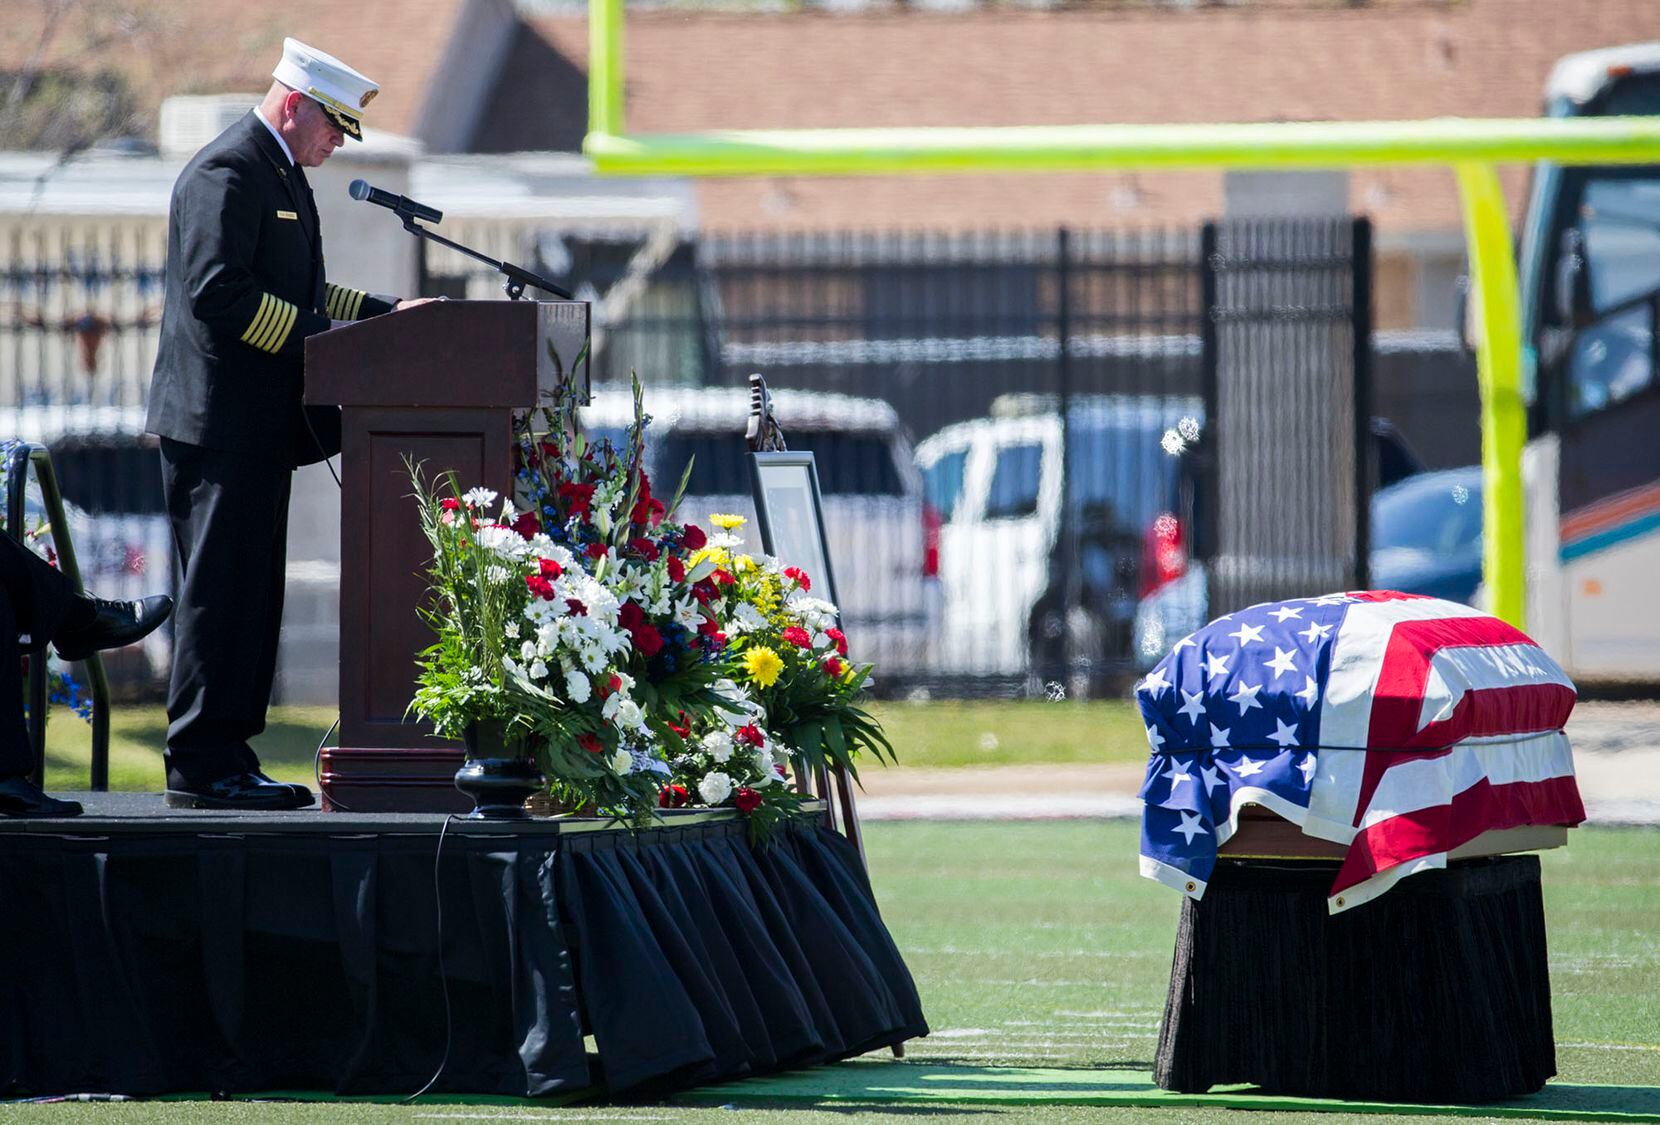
(438,896)
(317,766)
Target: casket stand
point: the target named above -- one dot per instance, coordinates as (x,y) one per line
(1436,992)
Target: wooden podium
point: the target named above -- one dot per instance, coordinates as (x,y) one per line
(438,383)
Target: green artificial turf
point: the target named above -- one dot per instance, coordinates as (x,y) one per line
(1036,946)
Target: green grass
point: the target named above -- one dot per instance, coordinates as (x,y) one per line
(1036,944)
(944,734)
(138,733)
(1013,732)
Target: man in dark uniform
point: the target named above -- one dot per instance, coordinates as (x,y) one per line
(245,286)
(39,606)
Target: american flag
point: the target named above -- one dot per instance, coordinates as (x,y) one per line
(1396,725)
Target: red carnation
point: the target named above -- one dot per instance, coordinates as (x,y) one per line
(612,685)
(704,591)
(683,728)
(645,548)
(550,450)
(527,525)
(692,538)
(677,570)
(579,497)
(595,550)
(540,586)
(834,667)
(630,616)
(797,636)
(722,578)
(550,569)
(648,640)
(575,608)
(746,800)
(449,503)
(800,577)
(590,743)
(673,797)
(840,638)
(751,734)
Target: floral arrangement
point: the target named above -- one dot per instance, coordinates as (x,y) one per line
(652,668)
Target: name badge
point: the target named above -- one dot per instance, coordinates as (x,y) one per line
(288,215)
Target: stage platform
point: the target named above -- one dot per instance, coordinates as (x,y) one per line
(154,951)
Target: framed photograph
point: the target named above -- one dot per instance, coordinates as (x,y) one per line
(790,511)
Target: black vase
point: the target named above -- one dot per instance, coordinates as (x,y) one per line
(500,773)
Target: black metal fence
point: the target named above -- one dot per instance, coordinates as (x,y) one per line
(1014,426)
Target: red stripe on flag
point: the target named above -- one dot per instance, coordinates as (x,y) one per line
(1522,709)
(1480,808)
(1385,596)
(1398,700)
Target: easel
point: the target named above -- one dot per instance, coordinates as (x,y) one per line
(763,434)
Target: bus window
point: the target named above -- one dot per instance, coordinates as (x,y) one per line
(1611,358)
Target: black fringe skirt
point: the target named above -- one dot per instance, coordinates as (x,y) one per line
(1436,992)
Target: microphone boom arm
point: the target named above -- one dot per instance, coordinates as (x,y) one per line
(517,276)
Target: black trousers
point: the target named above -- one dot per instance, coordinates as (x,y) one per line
(33,601)
(230,527)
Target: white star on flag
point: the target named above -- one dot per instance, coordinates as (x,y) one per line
(1315,632)
(1245,767)
(1185,642)
(1285,613)
(1216,665)
(1176,774)
(1282,662)
(1190,827)
(1155,683)
(1212,777)
(1331,599)
(1218,736)
(1283,734)
(1193,705)
(1154,738)
(1246,634)
(1245,697)
(1310,693)
(1307,766)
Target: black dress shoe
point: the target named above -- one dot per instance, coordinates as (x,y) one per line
(21,797)
(250,791)
(113,624)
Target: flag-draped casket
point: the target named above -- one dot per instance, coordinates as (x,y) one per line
(1399,727)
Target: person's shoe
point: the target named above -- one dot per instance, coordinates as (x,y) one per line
(21,797)
(301,793)
(249,792)
(113,624)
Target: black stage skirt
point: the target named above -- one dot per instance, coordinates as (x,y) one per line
(1436,992)
(301,951)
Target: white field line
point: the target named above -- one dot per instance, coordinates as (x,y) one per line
(1614,1046)
(1098,954)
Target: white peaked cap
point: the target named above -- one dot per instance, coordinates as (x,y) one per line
(342,92)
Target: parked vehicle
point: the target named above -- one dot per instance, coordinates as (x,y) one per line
(1009,546)
(882,546)
(1590,299)
(1426,539)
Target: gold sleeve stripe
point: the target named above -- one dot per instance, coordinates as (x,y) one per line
(357,303)
(262,319)
(331,302)
(262,339)
(285,322)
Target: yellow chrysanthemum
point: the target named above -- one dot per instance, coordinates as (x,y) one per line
(763,665)
(716,555)
(743,564)
(727,521)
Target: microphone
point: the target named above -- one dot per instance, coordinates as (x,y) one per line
(405,208)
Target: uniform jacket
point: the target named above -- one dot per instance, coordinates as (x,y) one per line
(244,288)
